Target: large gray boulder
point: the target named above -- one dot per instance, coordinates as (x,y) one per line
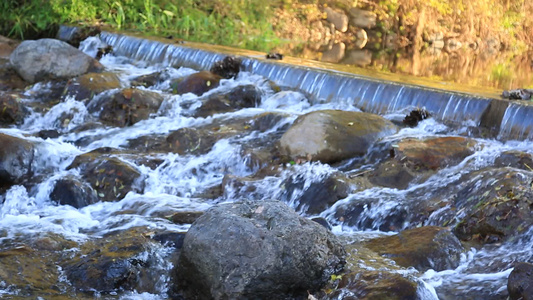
(51,59)
(16,157)
(256,250)
(333,135)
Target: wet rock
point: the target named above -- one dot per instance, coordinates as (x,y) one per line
(433,153)
(337,18)
(109,176)
(227,68)
(515,159)
(32,271)
(275,55)
(79,34)
(334,54)
(85,87)
(315,197)
(424,248)
(71,191)
(190,140)
(51,59)
(333,135)
(415,116)
(16,158)
(126,107)
(362,18)
(519,282)
(393,174)
(237,98)
(267,121)
(197,83)
(364,214)
(147,80)
(11,110)
(494,205)
(517,94)
(370,276)
(121,261)
(185,217)
(256,250)
(9,79)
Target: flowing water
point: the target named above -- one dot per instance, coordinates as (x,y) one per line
(178,183)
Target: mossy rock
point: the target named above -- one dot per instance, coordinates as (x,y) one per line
(85,87)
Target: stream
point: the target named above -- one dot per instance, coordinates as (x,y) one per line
(230,170)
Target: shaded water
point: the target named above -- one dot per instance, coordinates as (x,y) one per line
(179,182)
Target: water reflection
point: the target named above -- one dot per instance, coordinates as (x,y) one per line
(449,61)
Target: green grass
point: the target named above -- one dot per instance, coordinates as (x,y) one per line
(239,23)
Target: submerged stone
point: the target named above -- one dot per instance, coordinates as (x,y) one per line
(197,83)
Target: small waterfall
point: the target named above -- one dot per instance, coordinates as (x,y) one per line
(368,94)
(517,122)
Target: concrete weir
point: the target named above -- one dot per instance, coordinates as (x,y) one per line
(503,119)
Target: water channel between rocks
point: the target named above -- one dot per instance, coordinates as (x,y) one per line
(473,147)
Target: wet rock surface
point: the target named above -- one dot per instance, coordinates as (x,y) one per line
(197,83)
(71,191)
(110,177)
(423,248)
(126,107)
(12,111)
(256,250)
(85,87)
(331,135)
(16,158)
(50,59)
(519,284)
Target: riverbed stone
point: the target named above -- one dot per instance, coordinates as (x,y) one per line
(433,153)
(74,192)
(330,136)
(51,59)
(7,46)
(119,261)
(315,197)
(242,96)
(16,158)
(515,159)
(423,248)
(362,18)
(256,250)
(335,53)
(519,282)
(197,83)
(12,111)
(85,87)
(494,205)
(9,78)
(110,177)
(337,18)
(229,67)
(126,107)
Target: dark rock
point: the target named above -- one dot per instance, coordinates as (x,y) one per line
(315,197)
(392,174)
(147,80)
(172,239)
(494,205)
(333,135)
(51,59)
(323,222)
(520,280)
(227,68)
(11,110)
(71,191)
(190,140)
(185,217)
(85,87)
(197,83)
(103,51)
(109,176)
(9,79)
(256,250)
(117,262)
(515,159)
(237,98)
(48,134)
(416,116)
(126,107)
(518,94)
(275,56)
(433,153)
(16,158)
(80,34)
(424,248)
(357,213)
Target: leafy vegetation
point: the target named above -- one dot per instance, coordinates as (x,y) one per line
(241,23)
